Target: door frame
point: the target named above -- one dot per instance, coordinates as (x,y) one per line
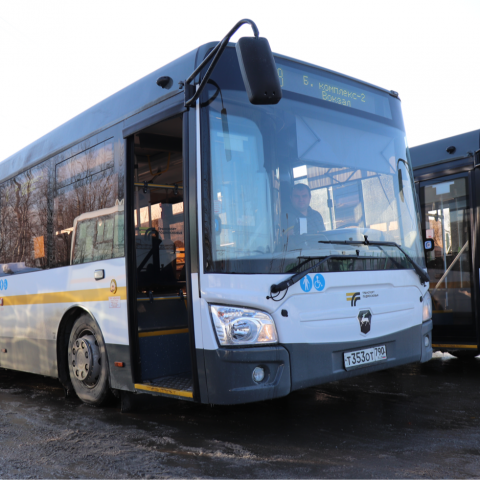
(466,335)
(163,112)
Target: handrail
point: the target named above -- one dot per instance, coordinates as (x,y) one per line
(155,185)
(450,267)
(173,297)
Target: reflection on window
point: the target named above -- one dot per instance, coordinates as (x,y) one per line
(40,208)
(261,219)
(446,221)
(25,221)
(99,235)
(84,186)
(241,189)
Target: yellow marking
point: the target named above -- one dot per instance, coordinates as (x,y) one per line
(451,345)
(158,333)
(73,296)
(168,391)
(442,311)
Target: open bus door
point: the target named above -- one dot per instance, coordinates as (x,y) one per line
(159,320)
(446,208)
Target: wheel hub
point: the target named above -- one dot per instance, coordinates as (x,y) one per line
(86,359)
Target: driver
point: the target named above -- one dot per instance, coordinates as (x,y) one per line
(301,218)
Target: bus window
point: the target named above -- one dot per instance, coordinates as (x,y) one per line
(25,221)
(96,235)
(86,183)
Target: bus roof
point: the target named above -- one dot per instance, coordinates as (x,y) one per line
(436,152)
(118,107)
(138,96)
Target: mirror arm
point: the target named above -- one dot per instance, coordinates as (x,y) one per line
(217,51)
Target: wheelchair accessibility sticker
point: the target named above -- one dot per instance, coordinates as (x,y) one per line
(3,285)
(318,282)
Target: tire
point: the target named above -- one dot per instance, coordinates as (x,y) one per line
(88,363)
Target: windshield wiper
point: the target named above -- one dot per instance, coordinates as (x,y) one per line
(424,277)
(279,287)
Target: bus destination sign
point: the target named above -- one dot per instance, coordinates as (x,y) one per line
(318,86)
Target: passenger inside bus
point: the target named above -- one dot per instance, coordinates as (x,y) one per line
(300,218)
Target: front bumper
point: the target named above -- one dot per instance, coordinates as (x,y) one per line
(291,367)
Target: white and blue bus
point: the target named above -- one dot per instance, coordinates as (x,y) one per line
(231,228)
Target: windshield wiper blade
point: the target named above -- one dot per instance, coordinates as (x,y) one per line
(424,277)
(279,287)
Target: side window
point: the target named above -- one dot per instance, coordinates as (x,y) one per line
(71,198)
(99,235)
(26,221)
(87,211)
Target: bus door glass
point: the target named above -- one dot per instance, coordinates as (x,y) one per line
(445,206)
(160,252)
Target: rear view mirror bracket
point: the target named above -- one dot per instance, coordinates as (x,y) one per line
(256,62)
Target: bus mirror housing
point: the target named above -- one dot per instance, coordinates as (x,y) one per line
(259,71)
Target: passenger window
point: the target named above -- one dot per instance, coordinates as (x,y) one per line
(98,235)
(87,207)
(26,221)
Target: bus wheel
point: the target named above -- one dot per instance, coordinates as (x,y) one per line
(87,361)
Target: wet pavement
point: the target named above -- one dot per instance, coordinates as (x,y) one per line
(410,422)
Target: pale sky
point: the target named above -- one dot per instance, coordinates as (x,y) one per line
(59,57)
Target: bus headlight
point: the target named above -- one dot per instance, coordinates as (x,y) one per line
(427,307)
(243,326)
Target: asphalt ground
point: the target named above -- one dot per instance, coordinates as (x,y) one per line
(417,421)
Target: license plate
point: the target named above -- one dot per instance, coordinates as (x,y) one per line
(366,356)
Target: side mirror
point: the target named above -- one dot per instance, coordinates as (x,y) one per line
(259,71)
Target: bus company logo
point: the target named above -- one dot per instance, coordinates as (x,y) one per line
(353,298)
(113,286)
(3,285)
(365,320)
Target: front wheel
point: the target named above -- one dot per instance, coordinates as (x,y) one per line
(87,362)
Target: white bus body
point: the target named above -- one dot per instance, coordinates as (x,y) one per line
(187,300)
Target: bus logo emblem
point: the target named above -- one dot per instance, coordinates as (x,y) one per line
(353,298)
(365,319)
(113,286)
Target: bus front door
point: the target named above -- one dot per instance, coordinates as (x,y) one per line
(161,309)
(446,219)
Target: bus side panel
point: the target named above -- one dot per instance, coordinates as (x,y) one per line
(34,304)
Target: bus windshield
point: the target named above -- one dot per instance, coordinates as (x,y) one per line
(329,163)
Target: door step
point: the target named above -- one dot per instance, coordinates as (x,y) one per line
(175,386)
